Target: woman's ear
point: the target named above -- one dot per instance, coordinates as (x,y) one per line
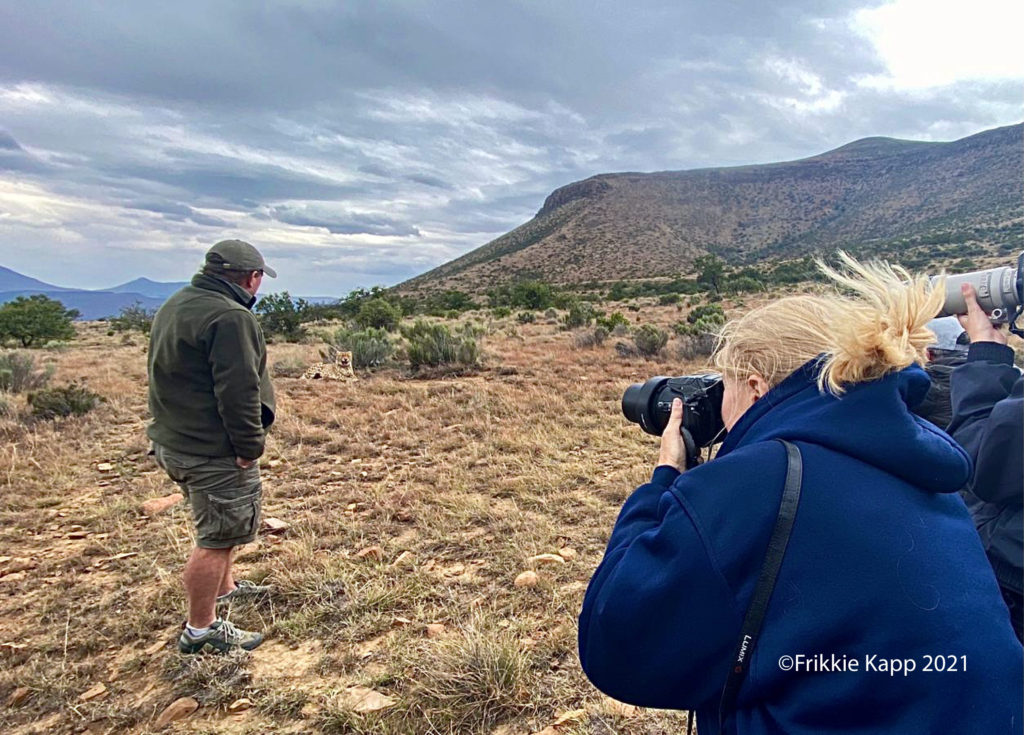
(758,386)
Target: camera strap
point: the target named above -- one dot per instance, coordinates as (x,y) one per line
(765,582)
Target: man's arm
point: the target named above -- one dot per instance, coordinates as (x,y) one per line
(235,346)
(988,421)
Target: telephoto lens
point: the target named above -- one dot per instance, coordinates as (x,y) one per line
(1000,291)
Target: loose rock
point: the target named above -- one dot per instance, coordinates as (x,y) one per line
(375,553)
(527,579)
(158,505)
(275,525)
(97,690)
(433,630)
(179,709)
(567,553)
(105,467)
(240,705)
(361,699)
(546,559)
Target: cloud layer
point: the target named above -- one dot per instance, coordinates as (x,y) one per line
(366,143)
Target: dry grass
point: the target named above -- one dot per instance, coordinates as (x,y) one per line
(466,476)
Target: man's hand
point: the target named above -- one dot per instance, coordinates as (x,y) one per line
(244,463)
(673,449)
(976,322)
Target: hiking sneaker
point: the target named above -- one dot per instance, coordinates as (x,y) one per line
(220,638)
(244,589)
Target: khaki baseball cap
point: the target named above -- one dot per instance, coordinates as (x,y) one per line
(237,255)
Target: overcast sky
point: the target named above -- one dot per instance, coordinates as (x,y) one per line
(361,143)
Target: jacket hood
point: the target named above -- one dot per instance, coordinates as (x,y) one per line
(232,291)
(871,422)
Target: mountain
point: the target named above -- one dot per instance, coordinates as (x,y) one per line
(90,304)
(873,196)
(152,289)
(14,281)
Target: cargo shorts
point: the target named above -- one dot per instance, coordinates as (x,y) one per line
(225,499)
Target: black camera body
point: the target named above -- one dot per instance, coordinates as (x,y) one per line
(650,405)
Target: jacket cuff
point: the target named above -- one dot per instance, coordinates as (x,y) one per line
(664,475)
(990,352)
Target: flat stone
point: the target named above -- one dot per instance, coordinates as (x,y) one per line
(275,525)
(105,467)
(361,699)
(375,553)
(240,705)
(93,692)
(433,630)
(546,559)
(179,709)
(567,553)
(158,505)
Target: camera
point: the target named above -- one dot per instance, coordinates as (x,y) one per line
(1000,293)
(650,405)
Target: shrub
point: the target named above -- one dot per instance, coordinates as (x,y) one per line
(65,400)
(378,313)
(369,347)
(279,315)
(500,312)
(588,339)
(18,373)
(650,340)
(668,298)
(132,317)
(580,314)
(35,320)
(620,330)
(550,314)
(289,367)
(613,320)
(698,345)
(434,344)
(526,317)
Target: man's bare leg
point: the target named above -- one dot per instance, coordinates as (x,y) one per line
(204,573)
(227,582)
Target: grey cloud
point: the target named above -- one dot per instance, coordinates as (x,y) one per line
(8,143)
(351,224)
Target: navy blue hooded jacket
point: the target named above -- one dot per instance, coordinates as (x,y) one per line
(988,420)
(883,561)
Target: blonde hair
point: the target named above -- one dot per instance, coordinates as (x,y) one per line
(876,327)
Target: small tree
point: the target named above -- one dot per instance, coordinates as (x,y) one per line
(710,272)
(132,317)
(278,314)
(580,315)
(36,320)
(378,313)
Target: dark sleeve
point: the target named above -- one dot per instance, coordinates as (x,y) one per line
(658,621)
(235,347)
(988,421)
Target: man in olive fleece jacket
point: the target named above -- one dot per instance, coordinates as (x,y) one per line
(212,401)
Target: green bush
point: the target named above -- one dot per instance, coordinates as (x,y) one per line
(500,312)
(132,317)
(613,320)
(526,317)
(378,313)
(706,319)
(18,373)
(279,315)
(369,347)
(65,400)
(668,298)
(650,340)
(434,345)
(698,345)
(36,320)
(580,314)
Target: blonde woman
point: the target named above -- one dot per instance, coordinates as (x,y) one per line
(885,615)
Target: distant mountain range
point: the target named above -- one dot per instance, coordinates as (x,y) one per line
(99,303)
(877,196)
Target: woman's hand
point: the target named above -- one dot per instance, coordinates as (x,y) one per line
(976,322)
(673,450)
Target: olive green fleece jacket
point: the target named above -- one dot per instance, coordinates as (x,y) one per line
(209,391)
